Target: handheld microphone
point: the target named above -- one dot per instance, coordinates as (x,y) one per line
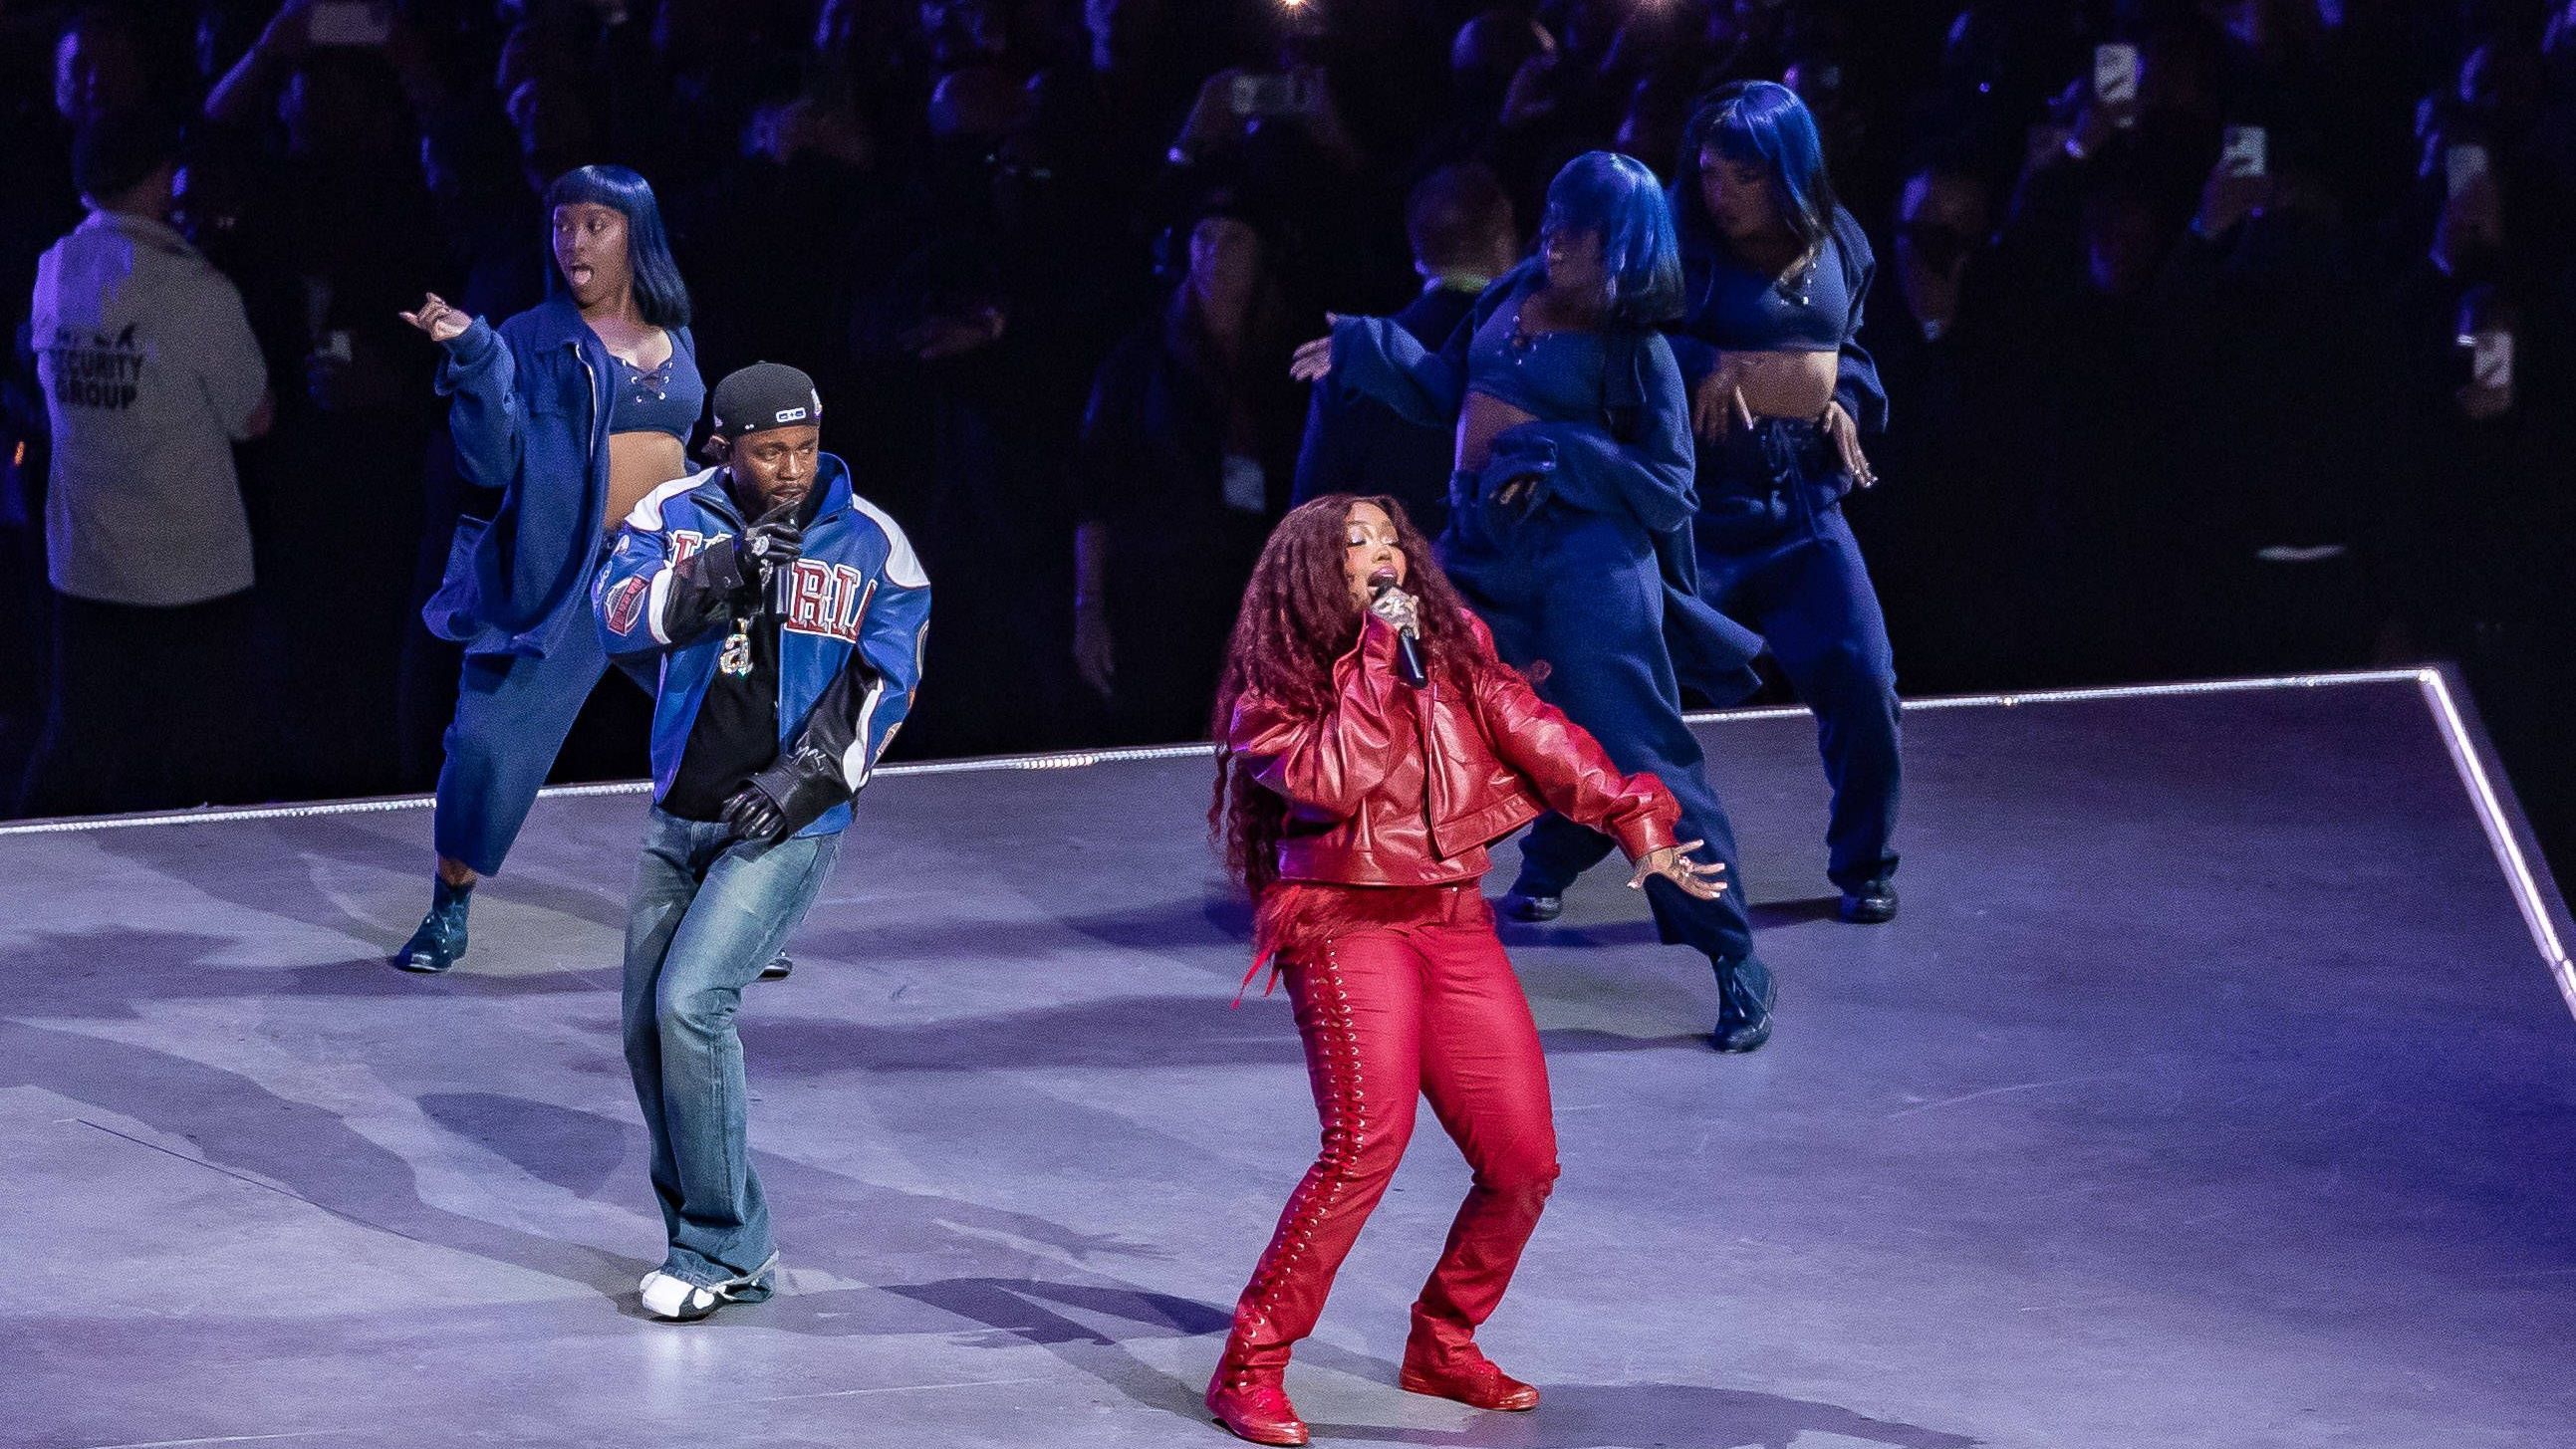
(1408,644)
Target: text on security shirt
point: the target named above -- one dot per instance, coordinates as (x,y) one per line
(150,372)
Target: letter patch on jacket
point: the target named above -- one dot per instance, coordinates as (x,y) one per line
(827,599)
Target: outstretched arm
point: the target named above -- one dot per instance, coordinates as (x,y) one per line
(1577,780)
(1376,357)
(1568,767)
(481,380)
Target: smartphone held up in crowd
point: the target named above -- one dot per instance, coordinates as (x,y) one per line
(2115,81)
(2245,152)
(1258,94)
(349,22)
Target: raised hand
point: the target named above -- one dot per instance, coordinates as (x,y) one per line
(2227,198)
(442,322)
(774,541)
(1398,608)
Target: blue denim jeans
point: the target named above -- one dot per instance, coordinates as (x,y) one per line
(709,912)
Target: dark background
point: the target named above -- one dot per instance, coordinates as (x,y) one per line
(2147,378)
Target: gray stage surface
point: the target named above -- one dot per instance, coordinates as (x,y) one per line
(2211,1091)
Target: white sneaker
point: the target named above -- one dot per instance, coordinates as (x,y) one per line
(677,1300)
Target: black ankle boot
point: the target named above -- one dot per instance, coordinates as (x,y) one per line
(1871,903)
(1745,995)
(441,937)
(1529,901)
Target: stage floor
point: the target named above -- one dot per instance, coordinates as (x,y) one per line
(2211,1091)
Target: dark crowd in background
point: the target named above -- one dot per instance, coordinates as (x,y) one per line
(2222,336)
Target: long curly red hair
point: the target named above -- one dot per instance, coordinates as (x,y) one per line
(1297,620)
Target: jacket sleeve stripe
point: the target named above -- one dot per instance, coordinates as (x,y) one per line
(657,605)
(858,760)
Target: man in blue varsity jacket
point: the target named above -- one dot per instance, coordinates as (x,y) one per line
(786,615)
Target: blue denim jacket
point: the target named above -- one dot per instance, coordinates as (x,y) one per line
(529,413)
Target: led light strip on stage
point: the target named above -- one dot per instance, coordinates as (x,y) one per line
(2540,911)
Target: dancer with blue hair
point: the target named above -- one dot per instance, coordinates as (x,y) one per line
(1782,394)
(1570,509)
(571,412)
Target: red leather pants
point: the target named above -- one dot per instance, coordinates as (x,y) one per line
(1393,1012)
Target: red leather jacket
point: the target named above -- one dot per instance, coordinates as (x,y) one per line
(1397,786)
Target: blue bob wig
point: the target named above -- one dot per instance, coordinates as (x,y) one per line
(1617,198)
(659,293)
(1763,124)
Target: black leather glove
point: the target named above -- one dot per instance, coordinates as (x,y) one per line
(775,542)
(785,798)
(738,565)
(752,815)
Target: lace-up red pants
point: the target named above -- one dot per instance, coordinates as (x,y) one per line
(1396,1006)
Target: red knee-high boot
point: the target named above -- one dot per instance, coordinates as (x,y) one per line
(1361,1142)
(1440,1355)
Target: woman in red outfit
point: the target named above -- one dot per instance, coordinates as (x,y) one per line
(1357,809)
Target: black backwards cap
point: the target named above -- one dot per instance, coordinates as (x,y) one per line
(765,395)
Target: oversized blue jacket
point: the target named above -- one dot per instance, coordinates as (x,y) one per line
(530,419)
(854,611)
(1630,457)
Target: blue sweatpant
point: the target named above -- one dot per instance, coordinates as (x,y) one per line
(1776,552)
(512,714)
(1577,601)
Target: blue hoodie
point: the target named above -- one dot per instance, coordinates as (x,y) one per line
(530,419)
(855,610)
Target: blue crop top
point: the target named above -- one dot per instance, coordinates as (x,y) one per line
(1553,376)
(665,399)
(1806,311)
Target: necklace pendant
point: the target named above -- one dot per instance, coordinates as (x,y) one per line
(736,659)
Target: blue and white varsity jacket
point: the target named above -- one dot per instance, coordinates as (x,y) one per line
(853,614)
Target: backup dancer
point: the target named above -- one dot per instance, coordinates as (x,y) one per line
(1569,513)
(1356,806)
(570,412)
(1777,271)
(783,616)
